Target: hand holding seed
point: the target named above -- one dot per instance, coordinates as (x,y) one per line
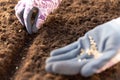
(96,51)
(24,10)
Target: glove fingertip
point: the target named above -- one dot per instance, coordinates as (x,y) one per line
(56,68)
(19,18)
(62,68)
(27,17)
(53,53)
(28,29)
(86,71)
(34,29)
(48,60)
(48,67)
(19,15)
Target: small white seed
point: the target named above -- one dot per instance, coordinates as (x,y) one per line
(79,60)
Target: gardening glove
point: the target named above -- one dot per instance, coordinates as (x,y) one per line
(96,51)
(24,10)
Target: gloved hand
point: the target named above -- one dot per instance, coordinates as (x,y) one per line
(96,51)
(24,10)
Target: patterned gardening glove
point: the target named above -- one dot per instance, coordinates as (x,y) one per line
(24,10)
(96,51)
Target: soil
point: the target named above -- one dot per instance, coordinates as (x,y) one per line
(22,56)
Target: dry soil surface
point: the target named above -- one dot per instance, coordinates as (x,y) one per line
(22,56)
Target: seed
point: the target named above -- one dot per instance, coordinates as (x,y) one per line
(90,37)
(23,57)
(97,56)
(79,60)
(16,68)
(20,30)
(94,48)
(82,51)
(94,43)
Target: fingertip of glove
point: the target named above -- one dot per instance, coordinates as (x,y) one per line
(48,67)
(48,60)
(18,15)
(29,32)
(59,69)
(52,53)
(34,29)
(86,72)
(52,68)
(56,68)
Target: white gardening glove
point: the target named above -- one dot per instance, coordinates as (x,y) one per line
(96,51)
(24,10)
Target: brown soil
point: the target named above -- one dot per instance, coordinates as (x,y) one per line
(22,56)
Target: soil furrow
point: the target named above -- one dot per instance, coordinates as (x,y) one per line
(12,37)
(21,55)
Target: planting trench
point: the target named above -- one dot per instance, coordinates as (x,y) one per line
(22,56)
